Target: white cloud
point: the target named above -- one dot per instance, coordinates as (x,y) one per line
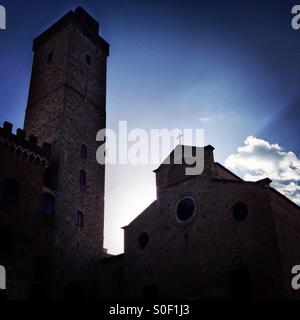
(259,159)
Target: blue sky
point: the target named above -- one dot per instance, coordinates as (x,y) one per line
(230,67)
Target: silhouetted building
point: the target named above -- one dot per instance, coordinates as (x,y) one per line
(25,228)
(207,236)
(212,235)
(66,108)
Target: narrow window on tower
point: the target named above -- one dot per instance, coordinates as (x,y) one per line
(82,178)
(88,59)
(79,219)
(85,93)
(50,57)
(47,206)
(83,151)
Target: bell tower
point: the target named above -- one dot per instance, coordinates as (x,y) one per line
(66,107)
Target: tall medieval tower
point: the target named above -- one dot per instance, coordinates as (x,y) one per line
(66,108)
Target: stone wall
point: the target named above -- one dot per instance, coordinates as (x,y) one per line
(22,160)
(67,107)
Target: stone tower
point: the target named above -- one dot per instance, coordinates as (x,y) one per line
(66,107)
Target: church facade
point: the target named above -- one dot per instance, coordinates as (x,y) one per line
(210,236)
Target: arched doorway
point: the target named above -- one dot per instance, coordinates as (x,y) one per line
(239,279)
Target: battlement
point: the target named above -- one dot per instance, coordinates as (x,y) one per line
(24,146)
(82,20)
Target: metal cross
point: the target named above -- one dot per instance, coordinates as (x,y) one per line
(179,138)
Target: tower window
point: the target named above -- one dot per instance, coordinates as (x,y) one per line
(88,59)
(83,152)
(50,57)
(11,191)
(47,206)
(239,212)
(79,219)
(82,178)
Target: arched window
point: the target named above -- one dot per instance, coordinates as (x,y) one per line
(11,191)
(6,243)
(82,178)
(79,219)
(83,151)
(47,205)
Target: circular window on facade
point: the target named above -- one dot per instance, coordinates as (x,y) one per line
(143,240)
(239,212)
(185,209)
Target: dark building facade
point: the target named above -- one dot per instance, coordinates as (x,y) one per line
(209,236)
(25,228)
(66,108)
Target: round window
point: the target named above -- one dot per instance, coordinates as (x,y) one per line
(240,212)
(185,209)
(143,240)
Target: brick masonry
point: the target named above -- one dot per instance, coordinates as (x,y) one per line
(24,161)
(194,259)
(191,260)
(66,106)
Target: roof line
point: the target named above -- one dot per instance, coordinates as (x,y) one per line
(151,204)
(228,171)
(209,146)
(285,198)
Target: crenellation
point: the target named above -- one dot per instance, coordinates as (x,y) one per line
(87,25)
(7,127)
(182,246)
(19,144)
(21,134)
